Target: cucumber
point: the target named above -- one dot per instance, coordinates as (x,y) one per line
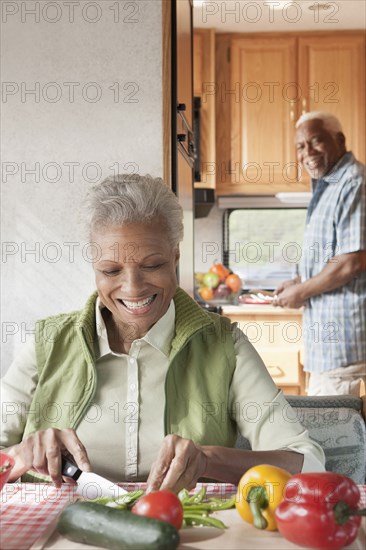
(98,525)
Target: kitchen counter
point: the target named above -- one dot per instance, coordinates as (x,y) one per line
(276,334)
(262,309)
(29,516)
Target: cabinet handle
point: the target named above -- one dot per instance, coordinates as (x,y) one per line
(275,371)
(292,110)
(304,106)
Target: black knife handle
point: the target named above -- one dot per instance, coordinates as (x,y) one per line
(69,469)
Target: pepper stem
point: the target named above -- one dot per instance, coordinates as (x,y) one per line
(257,500)
(342,512)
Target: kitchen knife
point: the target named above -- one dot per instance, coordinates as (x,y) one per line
(90,485)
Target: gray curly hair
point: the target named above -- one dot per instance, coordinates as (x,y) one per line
(131,198)
(330,122)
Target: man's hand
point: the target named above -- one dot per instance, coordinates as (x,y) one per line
(292,297)
(285,284)
(180,463)
(41,452)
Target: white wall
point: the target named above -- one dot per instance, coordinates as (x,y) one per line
(208,240)
(99,50)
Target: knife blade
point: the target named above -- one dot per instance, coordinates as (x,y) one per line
(90,485)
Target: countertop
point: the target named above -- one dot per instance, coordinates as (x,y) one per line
(29,515)
(266,309)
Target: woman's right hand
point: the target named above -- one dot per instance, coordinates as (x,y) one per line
(41,452)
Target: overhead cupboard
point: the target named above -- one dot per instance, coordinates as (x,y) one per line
(263,83)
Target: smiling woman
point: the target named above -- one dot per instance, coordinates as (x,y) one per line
(138,252)
(145,384)
(136,279)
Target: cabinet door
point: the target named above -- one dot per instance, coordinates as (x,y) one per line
(332,78)
(263,94)
(284,366)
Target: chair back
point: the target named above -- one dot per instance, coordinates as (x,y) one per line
(337,424)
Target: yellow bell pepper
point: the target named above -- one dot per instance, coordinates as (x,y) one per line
(260,491)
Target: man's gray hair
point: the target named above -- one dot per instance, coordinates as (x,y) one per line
(131,198)
(330,122)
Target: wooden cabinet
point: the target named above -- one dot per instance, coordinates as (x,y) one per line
(332,78)
(204,88)
(264,83)
(285,368)
(262,114)
(277,336)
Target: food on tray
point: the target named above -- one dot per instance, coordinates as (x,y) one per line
(255,296)
(218,283)
(152,524)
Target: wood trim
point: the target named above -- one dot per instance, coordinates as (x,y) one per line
(290,389)
(256,35)
(207,93)
(167,90)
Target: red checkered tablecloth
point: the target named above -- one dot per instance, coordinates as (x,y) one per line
(28,509)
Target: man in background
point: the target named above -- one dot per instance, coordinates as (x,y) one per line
(332,286)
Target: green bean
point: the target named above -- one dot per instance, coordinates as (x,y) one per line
(197,497)
(223,504)
(129,498)
(122,502)
(211,505)
(183,496)
(203,520)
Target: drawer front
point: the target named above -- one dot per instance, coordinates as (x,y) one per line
(282,365)
(278,333)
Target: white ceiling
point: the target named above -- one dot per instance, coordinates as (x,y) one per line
(279,15)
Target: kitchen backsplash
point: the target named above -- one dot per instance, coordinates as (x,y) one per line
(208,239)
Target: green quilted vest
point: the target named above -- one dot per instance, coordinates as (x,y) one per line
(202,362)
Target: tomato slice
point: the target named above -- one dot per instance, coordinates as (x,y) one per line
(162,505)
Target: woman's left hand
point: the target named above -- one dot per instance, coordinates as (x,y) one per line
(180,463)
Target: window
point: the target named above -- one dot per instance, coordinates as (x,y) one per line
(263,245)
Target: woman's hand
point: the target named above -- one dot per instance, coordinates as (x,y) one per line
(41,452)
(180,463)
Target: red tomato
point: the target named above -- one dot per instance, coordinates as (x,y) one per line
(162,505)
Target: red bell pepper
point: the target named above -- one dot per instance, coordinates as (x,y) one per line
(320,510)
